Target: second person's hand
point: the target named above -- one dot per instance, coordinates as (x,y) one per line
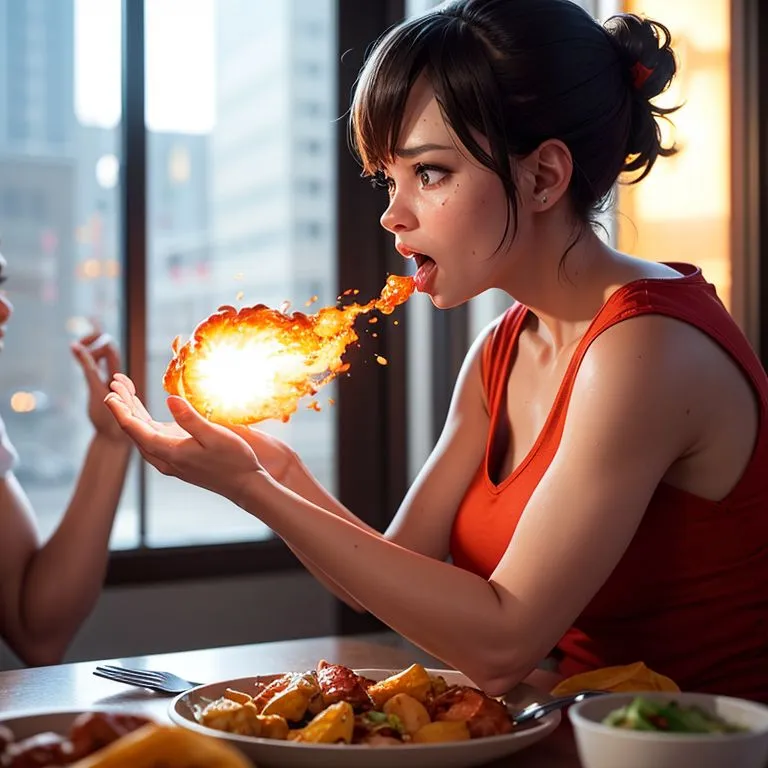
(99,359)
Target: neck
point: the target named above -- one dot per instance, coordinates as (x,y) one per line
(564,283)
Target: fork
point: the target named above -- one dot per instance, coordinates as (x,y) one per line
(160,682)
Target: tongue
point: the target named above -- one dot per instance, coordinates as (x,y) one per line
(423,273)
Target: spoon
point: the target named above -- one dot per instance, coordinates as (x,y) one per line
(537,710)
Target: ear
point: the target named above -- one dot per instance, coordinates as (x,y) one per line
(549,169)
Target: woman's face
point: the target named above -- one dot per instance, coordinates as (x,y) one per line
(445,210)
(6,308)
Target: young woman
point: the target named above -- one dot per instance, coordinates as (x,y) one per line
(599,483)
(47,590)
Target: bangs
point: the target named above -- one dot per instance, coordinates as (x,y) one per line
(463,84)
(381,94)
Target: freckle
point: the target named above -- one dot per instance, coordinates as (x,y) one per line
(443,203)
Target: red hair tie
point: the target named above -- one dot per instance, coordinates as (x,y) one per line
(640,73)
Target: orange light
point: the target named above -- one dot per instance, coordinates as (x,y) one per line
(242,367)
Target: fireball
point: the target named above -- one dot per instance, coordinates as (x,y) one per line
(245,366)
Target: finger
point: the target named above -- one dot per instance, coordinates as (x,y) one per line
(126,381)
(88,364)
(190,420)
(91,337)
(122,392)
(146,437)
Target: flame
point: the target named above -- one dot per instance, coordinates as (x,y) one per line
(245,366)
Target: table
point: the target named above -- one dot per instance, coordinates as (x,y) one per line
(73,686)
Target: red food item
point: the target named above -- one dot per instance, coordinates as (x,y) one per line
(339,683)
(484,716)
(40,751)
(94,730)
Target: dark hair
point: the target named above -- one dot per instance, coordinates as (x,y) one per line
(520,72)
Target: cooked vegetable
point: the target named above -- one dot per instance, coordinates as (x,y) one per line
(442,730)
(643,714)
(332,725)
(411,714)
(415,681)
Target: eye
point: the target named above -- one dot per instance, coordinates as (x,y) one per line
(430,175)
(382,181)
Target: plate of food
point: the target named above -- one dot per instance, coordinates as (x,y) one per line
(107,739)
(337,717)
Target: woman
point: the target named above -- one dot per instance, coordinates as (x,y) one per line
(598,483)
(47,590)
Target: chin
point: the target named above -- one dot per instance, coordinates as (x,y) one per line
(447,300)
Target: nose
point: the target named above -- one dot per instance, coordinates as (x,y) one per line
(398,217)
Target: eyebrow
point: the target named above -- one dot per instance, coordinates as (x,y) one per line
(407,152)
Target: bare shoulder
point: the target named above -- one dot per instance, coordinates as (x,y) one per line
(658,375)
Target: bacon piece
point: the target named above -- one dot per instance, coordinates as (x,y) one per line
(484,716)
(340,683)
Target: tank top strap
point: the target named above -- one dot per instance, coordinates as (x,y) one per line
(693,301)
(497,353)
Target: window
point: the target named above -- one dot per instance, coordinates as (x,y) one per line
(224,228)
(60,234)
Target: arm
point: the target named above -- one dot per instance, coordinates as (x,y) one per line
(47,591)
(627,424)
(636,408)
(423,521)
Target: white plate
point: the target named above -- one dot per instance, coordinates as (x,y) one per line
(269,753)
(26,724)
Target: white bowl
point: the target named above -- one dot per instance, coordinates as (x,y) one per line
(605,746)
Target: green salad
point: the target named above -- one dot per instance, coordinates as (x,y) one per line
(643,714)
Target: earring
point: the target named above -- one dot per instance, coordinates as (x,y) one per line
(544,199)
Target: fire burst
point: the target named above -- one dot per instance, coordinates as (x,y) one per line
(242,367)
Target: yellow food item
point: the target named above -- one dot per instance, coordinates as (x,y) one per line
(237,696)
(441,730)
(332,725)
(415,681)
(629,677)
(291,703)
(158,746)
(412,713)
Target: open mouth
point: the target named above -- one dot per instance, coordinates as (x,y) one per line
(425,268)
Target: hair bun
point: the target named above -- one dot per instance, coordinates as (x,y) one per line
(645,50)
(644,46)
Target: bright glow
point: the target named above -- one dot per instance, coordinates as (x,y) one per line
(107,171)
(180,64)
(239,375)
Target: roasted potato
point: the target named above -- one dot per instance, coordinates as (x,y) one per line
(415,681)
(444,730)
(332,725)
(411,713)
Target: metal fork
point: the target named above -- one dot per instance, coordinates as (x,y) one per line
(160,682)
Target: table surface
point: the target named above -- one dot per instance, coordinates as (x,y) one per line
(74,686)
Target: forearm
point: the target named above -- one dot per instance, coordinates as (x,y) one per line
(326,581)
(417,596)
(65,576)
(301,481)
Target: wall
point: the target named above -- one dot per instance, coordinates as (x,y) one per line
(132,621)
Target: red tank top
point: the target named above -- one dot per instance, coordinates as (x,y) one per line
(690,595)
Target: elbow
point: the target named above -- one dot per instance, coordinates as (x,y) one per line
(497,670)
(39,653)
(41,657)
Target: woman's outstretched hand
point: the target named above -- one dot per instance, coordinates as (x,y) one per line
(190,448)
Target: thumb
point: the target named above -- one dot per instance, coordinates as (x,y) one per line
(190,420)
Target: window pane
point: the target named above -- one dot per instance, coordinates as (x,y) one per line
(59,84)
(682,211)
(240,113)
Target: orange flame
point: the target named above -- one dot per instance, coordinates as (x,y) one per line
(245,366)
